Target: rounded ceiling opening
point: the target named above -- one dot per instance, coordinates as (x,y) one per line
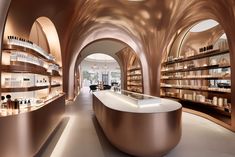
(204,25)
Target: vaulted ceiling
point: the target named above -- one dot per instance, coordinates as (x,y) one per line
(147,26)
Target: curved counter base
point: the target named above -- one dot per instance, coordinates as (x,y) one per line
(139,134)
(23,135)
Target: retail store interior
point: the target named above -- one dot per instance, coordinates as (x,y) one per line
(117,78)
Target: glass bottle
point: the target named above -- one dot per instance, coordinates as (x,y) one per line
(2,102)
(9,104)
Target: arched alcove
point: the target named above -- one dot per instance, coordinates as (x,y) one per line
(44,34)
(197,71)
(132,69)
(100,69)
(105,46)
(99,33)
(35,62)
(32,83)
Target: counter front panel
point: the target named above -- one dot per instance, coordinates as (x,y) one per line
(149,131)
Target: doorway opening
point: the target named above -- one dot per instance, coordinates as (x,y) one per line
(100,71)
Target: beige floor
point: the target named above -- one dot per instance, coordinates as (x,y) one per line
(82,136)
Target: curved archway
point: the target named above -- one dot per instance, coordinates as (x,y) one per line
(4,6)
(121,35)
(99,67)
(106,46)
(43,33)
(43,27)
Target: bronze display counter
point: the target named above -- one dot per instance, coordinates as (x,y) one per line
(23,134)
(138,124)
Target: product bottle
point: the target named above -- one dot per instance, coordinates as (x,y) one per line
(9,103)
(2,102)
(194,96)
(16,104)
(220,102)
(214,102)
(29,103)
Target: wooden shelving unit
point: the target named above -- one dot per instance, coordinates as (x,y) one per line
(199,78)
(197,89)
(30,74)
(198,56)
(222,110)
(134,79)
(197,68)
(10,48)
(134,76)
(28,68)
(134,68)
(134,85)
(56,85)
(23,89)
(180,81)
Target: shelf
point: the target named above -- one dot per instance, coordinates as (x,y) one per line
(55,73)
(198,56)
(55,85)
(28,68)
(198,78)
(134,69)
(28,50)
(21,67)
(135,91)
(196,68)
(197,89)
(134,85)
(135,80)
(26,89)
(203,103)
(134,74)
(23,89)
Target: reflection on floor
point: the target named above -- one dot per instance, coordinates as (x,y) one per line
(82,136)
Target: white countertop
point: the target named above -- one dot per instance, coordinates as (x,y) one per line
(115,101)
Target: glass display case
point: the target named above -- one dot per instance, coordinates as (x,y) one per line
(141,100)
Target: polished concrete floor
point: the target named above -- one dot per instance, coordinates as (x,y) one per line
(81,136)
